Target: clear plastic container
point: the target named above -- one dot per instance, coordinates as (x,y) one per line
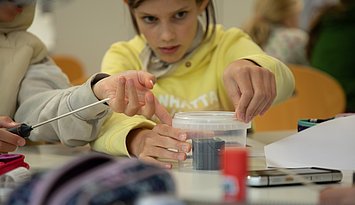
(209,132)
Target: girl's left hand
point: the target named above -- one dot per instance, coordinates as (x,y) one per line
(251,88)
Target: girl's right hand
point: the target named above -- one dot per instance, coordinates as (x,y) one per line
(163,142)
(8,140)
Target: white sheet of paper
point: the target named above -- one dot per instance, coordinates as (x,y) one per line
(330,144)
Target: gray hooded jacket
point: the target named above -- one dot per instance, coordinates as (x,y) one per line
(33,89)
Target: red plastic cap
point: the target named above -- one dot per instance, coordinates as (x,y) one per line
(235,160)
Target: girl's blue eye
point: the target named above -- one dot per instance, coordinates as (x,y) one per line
(180,15)
(149,19)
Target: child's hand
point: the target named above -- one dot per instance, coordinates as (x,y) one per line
(129,93)
(8,140)
(337,195)
(251,88)
(162,142)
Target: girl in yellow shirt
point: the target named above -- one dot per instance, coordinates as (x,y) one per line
(198,66)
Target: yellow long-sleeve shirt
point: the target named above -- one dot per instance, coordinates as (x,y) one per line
(194,84)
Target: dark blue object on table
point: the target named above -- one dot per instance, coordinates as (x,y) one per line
(206,153)
(307,123)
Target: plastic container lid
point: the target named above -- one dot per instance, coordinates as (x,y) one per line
(208,120)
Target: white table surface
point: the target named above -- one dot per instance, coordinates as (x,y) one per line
(202,186)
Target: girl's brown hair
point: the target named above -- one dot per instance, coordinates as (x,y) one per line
(210,14)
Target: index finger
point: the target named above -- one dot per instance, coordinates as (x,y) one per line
(162,114)
(247,92)
(167,130)
(146,79)
(7,122)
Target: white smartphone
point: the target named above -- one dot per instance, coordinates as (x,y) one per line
(275,177)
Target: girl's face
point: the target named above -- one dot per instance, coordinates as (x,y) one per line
(8,11)
(169,26)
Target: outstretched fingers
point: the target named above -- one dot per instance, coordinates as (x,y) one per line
(118,101)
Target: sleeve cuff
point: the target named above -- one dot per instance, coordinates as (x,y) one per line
(84,95)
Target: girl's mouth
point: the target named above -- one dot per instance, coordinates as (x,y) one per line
(169,50)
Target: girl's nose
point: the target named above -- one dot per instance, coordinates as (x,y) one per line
(167,32)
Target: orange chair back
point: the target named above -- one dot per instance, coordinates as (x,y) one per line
(72,67)
(317,95)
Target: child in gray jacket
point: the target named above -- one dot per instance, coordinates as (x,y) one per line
(33,89)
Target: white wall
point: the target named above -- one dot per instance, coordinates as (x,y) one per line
(234,12)
(86,28)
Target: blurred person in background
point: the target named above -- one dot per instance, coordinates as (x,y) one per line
(274,26)
(331,45)
(311,9)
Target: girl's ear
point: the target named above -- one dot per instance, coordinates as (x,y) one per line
(203,6)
